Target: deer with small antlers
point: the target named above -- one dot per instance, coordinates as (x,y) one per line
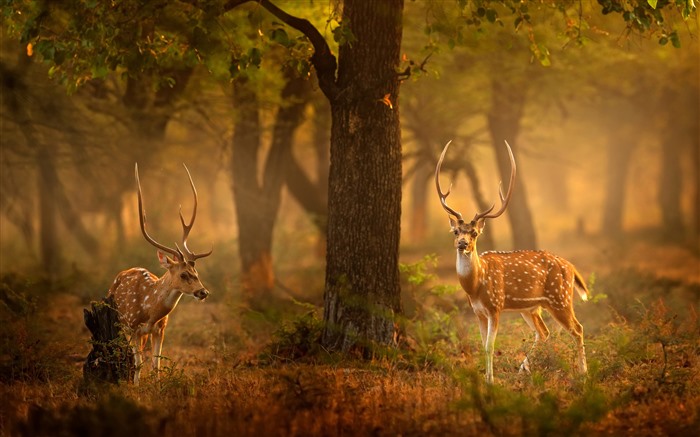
(144,301)
(523,280)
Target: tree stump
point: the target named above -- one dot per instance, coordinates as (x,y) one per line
(111,359)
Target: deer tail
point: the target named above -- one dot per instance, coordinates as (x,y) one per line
(580,286)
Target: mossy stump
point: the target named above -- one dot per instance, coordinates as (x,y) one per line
(111,359)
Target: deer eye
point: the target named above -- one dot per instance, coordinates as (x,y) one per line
(456,232)
(475,234)
(184,276)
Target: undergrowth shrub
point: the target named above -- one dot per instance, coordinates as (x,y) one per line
(625,288)
(296,339)
(533,410)
(112,416)
(26,353)
(432,316)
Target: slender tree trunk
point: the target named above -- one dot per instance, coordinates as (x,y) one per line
(619,152)
(695,174)
(48,233)
(256,263)
(362,293)
(671,188)
(671,180)
(507,105)
(257,205)
(313,195)
(419,203)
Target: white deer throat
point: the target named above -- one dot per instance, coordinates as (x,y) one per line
(464,264)
(172,298)
(167,297)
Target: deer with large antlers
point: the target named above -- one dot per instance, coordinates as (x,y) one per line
(144,301)
(523,280)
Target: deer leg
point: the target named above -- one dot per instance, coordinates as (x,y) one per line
(483,328)
(534,321)
(490,341)
(568,321)
(157,341)
(139,345)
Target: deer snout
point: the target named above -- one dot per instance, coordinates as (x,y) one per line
(462,244)
(201,294)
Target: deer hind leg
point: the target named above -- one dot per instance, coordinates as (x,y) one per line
(490,341)
(535,322)
(567,320)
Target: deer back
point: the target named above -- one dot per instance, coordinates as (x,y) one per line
(524,279)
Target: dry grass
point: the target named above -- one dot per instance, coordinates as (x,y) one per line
(231,371)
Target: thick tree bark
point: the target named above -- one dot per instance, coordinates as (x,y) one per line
(362,294)
(508,102)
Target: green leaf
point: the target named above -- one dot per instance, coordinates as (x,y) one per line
(99,71)
(652,3)
(491,15)
(280,36)
(254,56)
(675,39)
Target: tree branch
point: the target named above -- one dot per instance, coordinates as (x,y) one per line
(323,60)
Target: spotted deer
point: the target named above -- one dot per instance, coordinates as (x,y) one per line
(144,301)
(523,280)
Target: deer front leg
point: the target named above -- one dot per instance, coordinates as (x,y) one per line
(534,321)
(490,341)
(137,347)
(157,341)
(483,328)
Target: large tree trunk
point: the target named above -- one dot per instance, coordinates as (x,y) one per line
(507,105)
(362,294)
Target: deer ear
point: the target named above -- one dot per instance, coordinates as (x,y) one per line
(453,223)
(165,261)
(480,224)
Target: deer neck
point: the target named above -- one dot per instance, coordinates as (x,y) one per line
(168,296)
(469,270)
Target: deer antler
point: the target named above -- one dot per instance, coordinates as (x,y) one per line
(187,255)
(142,220)
(191,256)
(504,199)
(443,196)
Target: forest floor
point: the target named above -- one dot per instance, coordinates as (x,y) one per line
(230,370)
